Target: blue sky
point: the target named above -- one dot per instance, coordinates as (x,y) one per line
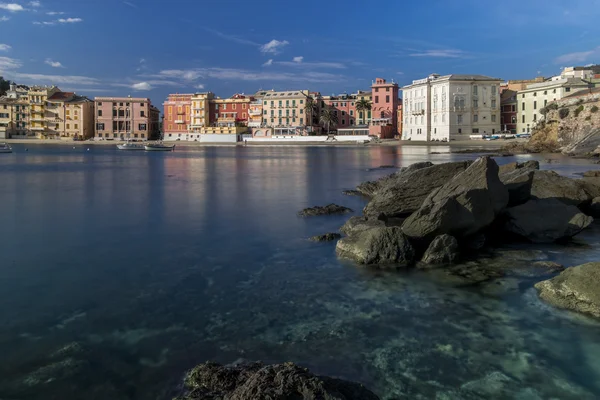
(154,47)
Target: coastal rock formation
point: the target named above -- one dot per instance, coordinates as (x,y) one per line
(463,206)
(327,237)
(592,174)
(443,250)
(513,166)
(331,209)
(256,381)
(549,184)
(359,224)
(546,220)
(384,245)
(371,188)
(405,193)
(518,182)
(576,289)
(594,208)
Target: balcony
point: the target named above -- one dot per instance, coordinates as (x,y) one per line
(38,128)
(179,121)
(38,119)
(418,112)
(254,112)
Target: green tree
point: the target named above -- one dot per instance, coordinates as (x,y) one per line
(310,108)
(4,86)
(328,117)
(363,106)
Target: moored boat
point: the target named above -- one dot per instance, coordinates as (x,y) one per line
(159,147)
(4,148)
(130,146)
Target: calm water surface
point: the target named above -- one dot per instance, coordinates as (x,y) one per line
(120,270)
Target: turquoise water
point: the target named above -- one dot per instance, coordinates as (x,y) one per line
(119,271)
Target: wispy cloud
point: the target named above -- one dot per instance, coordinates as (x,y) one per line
(268,63)
(200,86)
(274,46)
(127,3)
(12,7)
(299,63)
(189,75)
(578,57)
(142,65)
(4,18)
(4,47)
(141,86)
(231,38)
(55,13)
(35,4)
(7,63)
(53,64)
(44,23)
(298,59)
(69,20)
(57,79)
(448,53)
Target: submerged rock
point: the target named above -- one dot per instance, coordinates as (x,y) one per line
(546,220)
(443,250)
(327,237)
(575,289)
(359,224)
(463,206)
(405,193)
(256,381)
(383,245)
(331,209)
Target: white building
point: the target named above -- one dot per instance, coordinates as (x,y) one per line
(536,96)
(451,107)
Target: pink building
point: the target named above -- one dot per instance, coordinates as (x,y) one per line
(344,106)
(177,114)
(384,109)
(126,118)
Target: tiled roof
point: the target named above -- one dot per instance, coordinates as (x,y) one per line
(61,96)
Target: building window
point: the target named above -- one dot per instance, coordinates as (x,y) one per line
(234,106)
(535,105)
(475,103)
(494,103)
(475,130)
(68,126)
(554,91)
(534,94)
(523,119)
(387,99)
(376,99)
(243,115)
(567,89)
(100,126)
(99,103)
(459,119)
(513,108)
(545,103)
(170,127)
(351,113)
(474,90)
(493,118)
(141,127)
(493,89)
(376,90)
(475,118)
(523,106)
(99,113)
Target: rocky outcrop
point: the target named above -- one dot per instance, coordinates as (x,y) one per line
(327,237)
(359,224)
(593,208)
(381,246)
(406,192)
(518,182)
(592,174)
(463,206)
(545,220)
(574,289)
(256,381)
(443,250)
(331,209)
(371,188)
(513,166)
(549,184)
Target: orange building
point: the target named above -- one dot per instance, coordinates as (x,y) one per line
(177,114)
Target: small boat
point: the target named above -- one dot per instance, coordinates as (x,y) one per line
(159,147)
(4,148)
(130,146)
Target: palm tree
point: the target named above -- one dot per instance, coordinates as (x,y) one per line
(309,109)
(363,106)
(328,117)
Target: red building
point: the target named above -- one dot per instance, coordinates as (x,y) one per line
(232,111)
(344,106)
(508,111)
(384,109)
(176,114)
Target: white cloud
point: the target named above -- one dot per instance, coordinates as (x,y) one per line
(298,59)
(140,86)
(400,73)
(299,62)
(200,86)
(4,47)
(69,20)
(7,63)
(57,79)
(54,64)
(449,53)
(12,7)
(55,13)
(247,75)
(274,46)
(268,63)
(578,57)
(4,18)
(231,38)
(44,23)
(35,4)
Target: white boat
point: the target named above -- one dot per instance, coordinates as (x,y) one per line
(130,146)
(4,148)
(159,147)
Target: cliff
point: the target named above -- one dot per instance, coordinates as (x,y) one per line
(571,126)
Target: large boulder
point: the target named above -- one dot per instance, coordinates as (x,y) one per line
(359,224)
(405,193)
(545,220)
(463,206)
(371,188)
(513,166)
(549,184)
(384,245)
(593,208)
(211,381)
(442,251)
(330,209)
(576,289)
(518,179)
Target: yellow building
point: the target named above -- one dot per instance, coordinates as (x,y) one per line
(284,111)
(200,111)
(69,116)
(37,97)
(14,119)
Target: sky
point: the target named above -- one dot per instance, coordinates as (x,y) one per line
(152,48)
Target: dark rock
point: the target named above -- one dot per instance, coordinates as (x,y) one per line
(256,381)
(359,224)
(474,242)
(371,188)
(593,208)
(442,251)
(405,193)
(576,289)
(331,209)
(549,184)
(513,166)
(463,206)
(518,183)
(327,237)
(531,164)
(385,245)
(545,220)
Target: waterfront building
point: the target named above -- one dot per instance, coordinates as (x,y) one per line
(399,117)
(343,106)
(69,116)
(201,112)
(443,108)
(384,108)
(177,115)
(364,116)
(521,84)
(126,118)
(37,97)
(284,112)
(508,111)
(255,113)
(7,110)
(537,96)
(231,112)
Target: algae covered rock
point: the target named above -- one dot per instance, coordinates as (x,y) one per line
(383,245)
(443,250)
(330,209)
(327,237)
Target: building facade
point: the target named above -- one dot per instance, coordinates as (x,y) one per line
(231,112)
(384,108)
(69,116)
(508,112)
(177,115)
(285,112)
(537,96)
(126,118)
(343,106)
(443,108)
(37,97)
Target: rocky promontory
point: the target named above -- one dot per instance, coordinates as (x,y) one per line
(257,381)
